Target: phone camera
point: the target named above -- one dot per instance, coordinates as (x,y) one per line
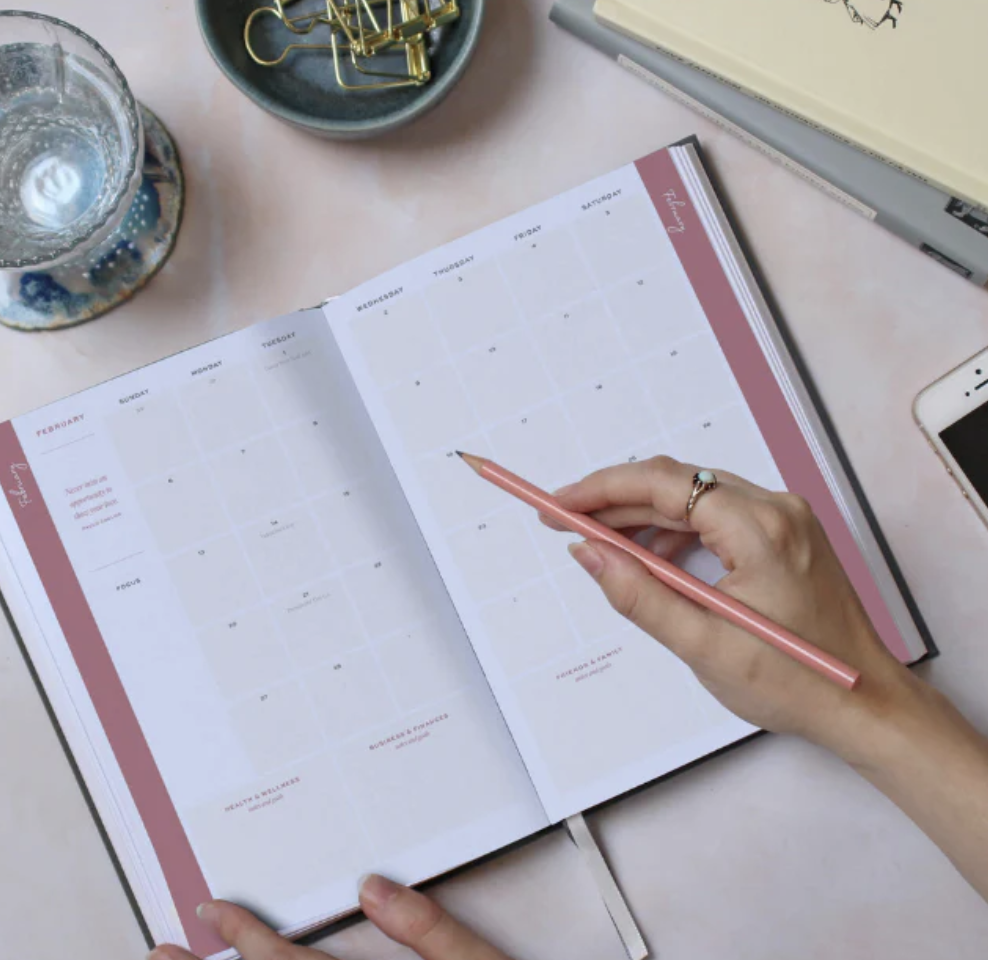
(978,372)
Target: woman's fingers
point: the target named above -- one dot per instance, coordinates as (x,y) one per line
(668,543)
(653,491)
(169,951)
(403,915)
(619,518)
(632,591)
(253,939)
(419,923)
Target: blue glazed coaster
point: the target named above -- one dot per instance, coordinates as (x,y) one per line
(114,271)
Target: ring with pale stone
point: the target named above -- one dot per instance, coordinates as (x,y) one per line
(703,482)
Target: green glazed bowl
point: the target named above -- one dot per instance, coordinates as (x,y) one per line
(303,91)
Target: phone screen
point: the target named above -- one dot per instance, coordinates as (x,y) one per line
(967,441)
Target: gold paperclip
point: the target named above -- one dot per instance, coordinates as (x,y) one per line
(310,21)
(277,11)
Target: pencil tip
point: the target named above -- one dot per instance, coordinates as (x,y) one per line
(474,463)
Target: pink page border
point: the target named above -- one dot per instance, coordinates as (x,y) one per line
(762,392)
(181,869)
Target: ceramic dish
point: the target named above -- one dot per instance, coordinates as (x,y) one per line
(303,90)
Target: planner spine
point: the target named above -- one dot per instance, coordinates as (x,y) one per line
(903,204)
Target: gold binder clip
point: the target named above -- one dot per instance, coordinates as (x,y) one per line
(358,33)
(366,44)
(387,81)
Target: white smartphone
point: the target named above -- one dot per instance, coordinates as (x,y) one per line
(953,413)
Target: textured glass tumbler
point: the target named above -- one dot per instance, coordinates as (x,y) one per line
(90,186)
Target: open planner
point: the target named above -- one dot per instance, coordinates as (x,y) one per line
(290,638)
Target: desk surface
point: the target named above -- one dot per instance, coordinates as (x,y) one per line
(773,851)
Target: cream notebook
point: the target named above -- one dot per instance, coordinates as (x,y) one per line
(902,80)
(290,637)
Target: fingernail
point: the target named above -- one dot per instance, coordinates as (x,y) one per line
(562,491)
(206,911)
(158,954)
(377,890)
(588,557)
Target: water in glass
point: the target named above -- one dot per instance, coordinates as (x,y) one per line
(65,146)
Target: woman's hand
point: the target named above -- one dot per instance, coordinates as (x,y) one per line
(899,732)
(403,915)
(779,563)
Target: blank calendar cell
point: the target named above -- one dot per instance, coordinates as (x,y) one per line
(655,309)
(472,306)
(359,520)
(427,661)
(689,379)
(391,593)
(400,805)
(545,272)
(431,410)
(151,437)
(244,653)
(504,378)
(731,441)
(621,238)
(579,342)
(350,695)
(542,447)
(256,478)
(293,380)
(588,608)
(286,549)
(181,508)
(495,555)
(611,413)
(321,453)
(398,340)
(318,622)
(276,726)
(214,580)
(276,852)
(572,713)
(224,407)
(528,628)
(456,493)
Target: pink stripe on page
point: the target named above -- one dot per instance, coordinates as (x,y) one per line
(171,846)
(757,382)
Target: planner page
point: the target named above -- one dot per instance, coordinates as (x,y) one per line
(253,632)
(560,340)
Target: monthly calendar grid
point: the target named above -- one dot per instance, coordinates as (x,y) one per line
(618,364)
(265,599)
(510,508)
(234,529)
(552,581)
(523,327)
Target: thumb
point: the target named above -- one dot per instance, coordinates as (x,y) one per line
(649,604)
(415,921)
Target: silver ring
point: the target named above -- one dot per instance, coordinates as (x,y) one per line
(703,482)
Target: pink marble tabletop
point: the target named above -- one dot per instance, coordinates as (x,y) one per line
(772,852)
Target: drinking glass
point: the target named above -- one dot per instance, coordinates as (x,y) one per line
(90,186)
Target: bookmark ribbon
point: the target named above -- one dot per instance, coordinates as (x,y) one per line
(610,893)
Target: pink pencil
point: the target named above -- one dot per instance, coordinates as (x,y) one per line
(689,586)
